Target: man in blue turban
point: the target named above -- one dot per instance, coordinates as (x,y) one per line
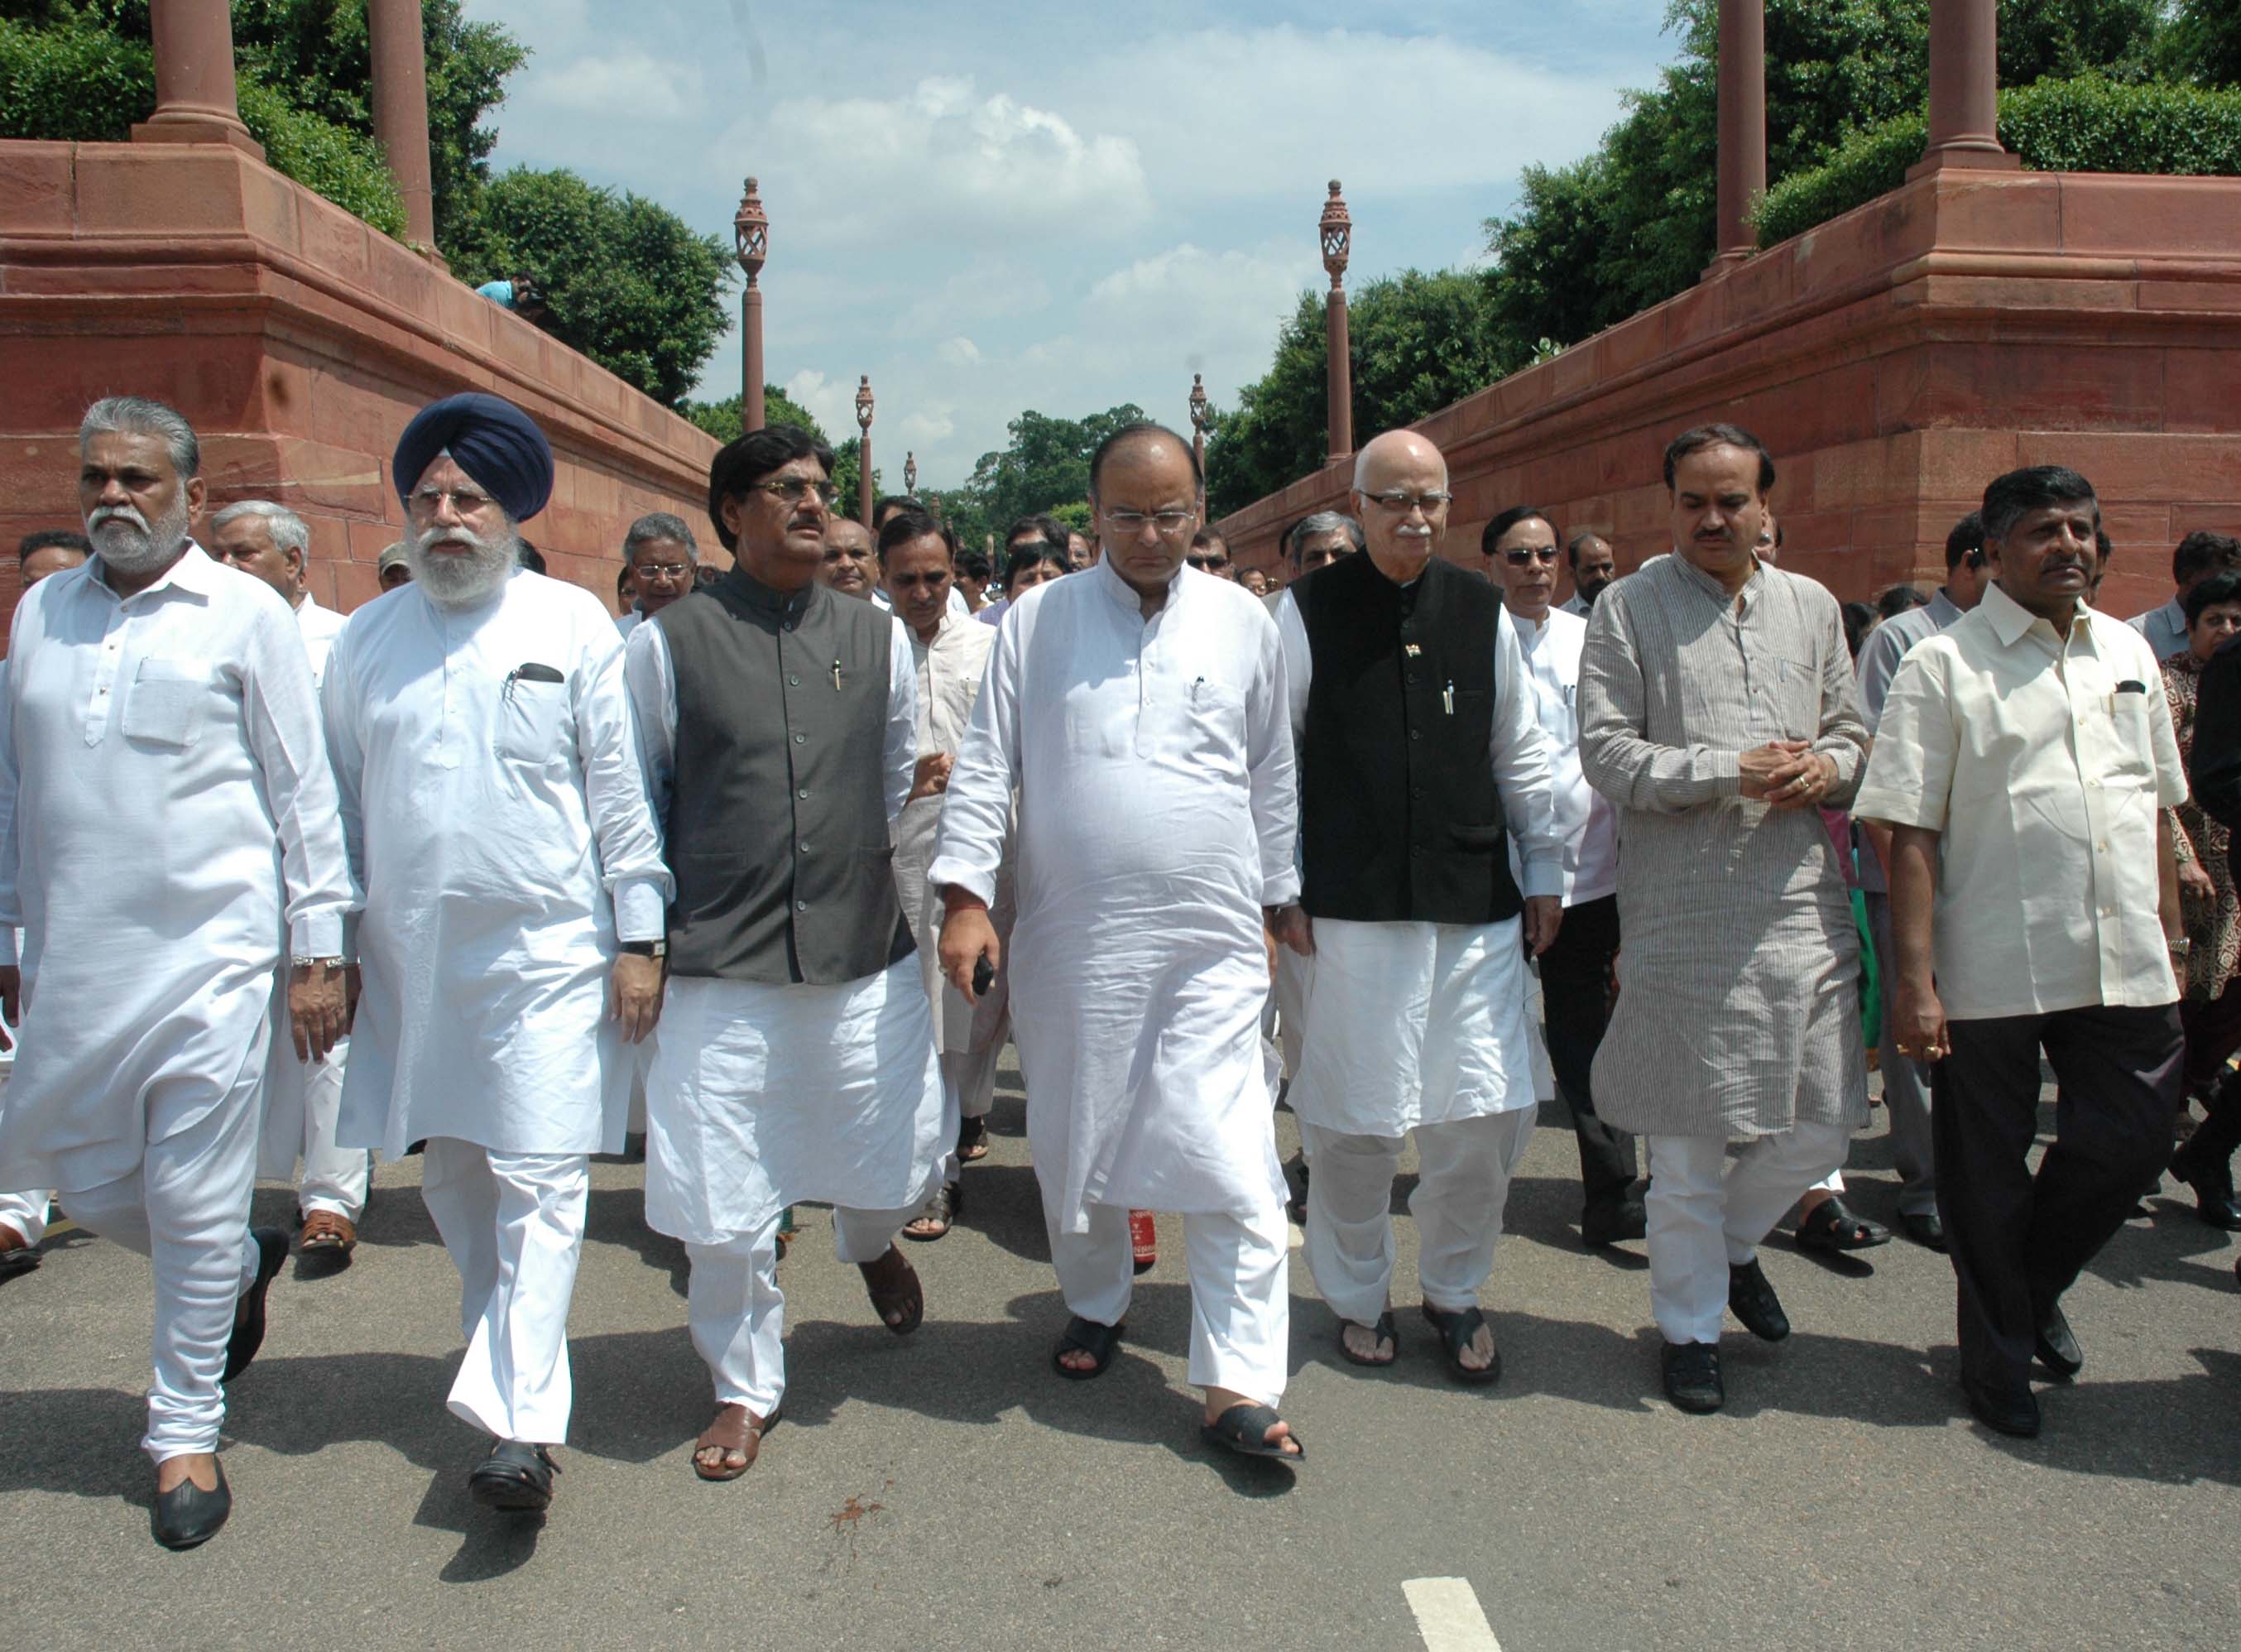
(514,907)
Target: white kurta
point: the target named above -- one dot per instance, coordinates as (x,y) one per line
(948,673)
(762,1095)
(1153,764)
(499,828)
(165,798)
(1423,1023)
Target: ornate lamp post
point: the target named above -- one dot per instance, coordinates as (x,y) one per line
(1337,230)
(1198,422)
(910,474)
(864,453)
(750,237)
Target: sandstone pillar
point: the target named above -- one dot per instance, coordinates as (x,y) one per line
(400,110)
(1742,127)
(1336,228)
(195,101)
(1964,84)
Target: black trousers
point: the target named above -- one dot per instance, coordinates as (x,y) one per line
(1575,992)
(2018,1241)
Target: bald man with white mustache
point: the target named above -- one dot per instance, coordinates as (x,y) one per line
(1420,756)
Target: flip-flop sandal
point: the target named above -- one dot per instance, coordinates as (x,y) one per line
(946,1205)
(1456,1331)
(1086,1336)
(1244,1430)
(1832,1226)
(757,1427)
(1384,1331)
(893,1285)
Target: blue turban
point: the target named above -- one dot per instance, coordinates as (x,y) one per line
(494,442)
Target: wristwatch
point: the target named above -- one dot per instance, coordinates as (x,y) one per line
(644,948)
(317,963)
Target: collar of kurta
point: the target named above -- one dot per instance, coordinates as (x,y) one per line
(2010,621)
(1714,589)
(1126,595)
(767,599)
(1944,610)
(193,575)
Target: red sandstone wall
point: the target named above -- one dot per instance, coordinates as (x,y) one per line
(1894,359)
(297,341)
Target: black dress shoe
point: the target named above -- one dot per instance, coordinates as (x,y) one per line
(1608,1221)
(1924,1228)
(2057,1347)
(186,1514)
(1751,1300)
(516,1476)
(2003,1409)
(2213,1191)
(249,1312)
(1692,1376)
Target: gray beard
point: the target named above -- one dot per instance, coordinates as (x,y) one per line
(133,546)
(453,580)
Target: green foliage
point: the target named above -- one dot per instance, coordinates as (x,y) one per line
(721,419)
(626,281)
(1044,467)
(74,83)
(2203,44)
(1417,342)
(2089,124)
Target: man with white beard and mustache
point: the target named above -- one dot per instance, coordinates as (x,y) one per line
(167,825)
(514,895)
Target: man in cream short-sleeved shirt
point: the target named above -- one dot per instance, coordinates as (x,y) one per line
(2024,760)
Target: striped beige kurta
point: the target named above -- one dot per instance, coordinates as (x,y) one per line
(1738,1011)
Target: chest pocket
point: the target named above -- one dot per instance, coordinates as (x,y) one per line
(2131,753)
(531,721)
(170,700)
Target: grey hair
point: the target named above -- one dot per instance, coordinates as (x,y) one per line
(1322,522)
(658,525)
(290,534)
(138,415)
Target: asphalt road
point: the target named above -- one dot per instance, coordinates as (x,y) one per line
(946,1490)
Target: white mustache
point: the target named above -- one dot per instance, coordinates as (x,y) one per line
(106,513)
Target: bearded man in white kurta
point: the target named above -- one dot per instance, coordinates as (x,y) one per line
(796,1057)
(167,825)
(302,1099)
(513,892)
(1137,709)
(917,569)
(1421,761)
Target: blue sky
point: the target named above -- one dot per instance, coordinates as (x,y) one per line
(988,207)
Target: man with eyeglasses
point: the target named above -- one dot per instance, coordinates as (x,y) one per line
(1906,1081)
(1137,710)
(1520,546)
(1592,566)
(1209,553)
(1420,758)
(778,727)
(663,559)
(513,894)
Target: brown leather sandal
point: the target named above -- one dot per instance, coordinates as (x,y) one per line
(326,1233)
(893,1286)
(725,1436)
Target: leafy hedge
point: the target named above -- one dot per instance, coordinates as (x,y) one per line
(2083,126)
(84,85)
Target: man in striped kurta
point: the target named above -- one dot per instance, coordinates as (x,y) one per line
(1717,711)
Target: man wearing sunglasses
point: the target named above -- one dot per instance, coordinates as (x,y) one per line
(1906,1082)
(1209,553)
(778,728)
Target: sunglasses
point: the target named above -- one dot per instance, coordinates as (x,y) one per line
(1525,555)
(1208,562)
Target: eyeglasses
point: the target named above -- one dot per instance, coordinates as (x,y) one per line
(1524,554)
(1169,522)
(464,501)
(793,489)
(661,569)
(1401,504)
(1208,562)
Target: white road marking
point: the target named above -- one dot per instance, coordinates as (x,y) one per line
(1449,1615)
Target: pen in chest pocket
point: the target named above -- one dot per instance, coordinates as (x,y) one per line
(1447,698)
(836,676)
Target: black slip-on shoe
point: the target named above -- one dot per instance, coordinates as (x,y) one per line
(1692,1376)
(1609,1221)
(2004,1410)
(187,1515)
(249,1312)
(1751,1300)
(2057,1347)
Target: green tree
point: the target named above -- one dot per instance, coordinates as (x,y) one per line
(626,281)
(1043,467)
(721,419)
(1417,342)
(2203,44)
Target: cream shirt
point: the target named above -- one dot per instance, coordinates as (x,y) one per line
(2041,762)
(1584,817)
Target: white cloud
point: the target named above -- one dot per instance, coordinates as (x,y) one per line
(638,89)
(958,351)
